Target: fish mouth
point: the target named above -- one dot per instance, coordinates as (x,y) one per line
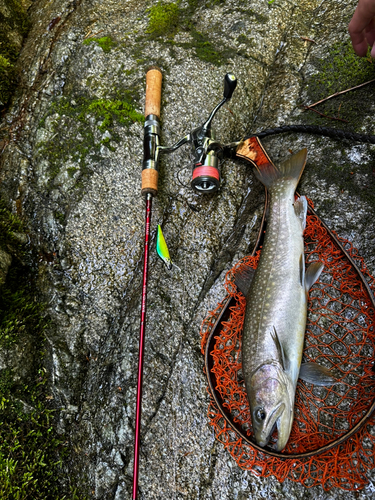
(283,431)
(272,421)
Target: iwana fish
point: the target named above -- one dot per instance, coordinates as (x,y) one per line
(276,308)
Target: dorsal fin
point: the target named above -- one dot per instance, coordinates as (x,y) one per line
(300,209)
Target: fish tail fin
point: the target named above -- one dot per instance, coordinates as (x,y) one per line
(290,169)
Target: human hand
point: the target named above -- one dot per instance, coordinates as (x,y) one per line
(362,28)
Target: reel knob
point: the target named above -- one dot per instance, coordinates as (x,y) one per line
(206,178)
(230,84)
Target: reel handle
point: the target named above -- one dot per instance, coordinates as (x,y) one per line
(206,174)
(151,131)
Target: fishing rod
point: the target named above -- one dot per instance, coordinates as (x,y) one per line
(207,153)
(149,189)
(205,179)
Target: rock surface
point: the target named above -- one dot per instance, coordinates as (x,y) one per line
(71,167)
(14,26)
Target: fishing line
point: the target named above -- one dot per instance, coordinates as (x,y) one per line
(178,176)
(178,381)
(317,130)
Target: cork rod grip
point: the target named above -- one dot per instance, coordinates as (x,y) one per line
(150,181)
(153,91)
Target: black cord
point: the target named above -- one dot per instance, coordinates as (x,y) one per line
(312,129)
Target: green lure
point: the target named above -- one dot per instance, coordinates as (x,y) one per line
(162,249)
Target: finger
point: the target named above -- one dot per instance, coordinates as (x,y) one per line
(357,36)
(362,20)
(370,33)
(362,16)
(360,45)
(360,48)
(373,51)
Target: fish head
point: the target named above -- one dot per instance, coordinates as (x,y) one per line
(271,395)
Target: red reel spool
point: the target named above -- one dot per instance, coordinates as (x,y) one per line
(206,178)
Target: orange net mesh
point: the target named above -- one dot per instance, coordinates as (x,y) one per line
(340,336)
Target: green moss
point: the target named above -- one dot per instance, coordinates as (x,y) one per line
(164,18)
(7,82)
(29,447)
(167,19)
(205,49)
(107,143)
(105,43)
(16,22)
(340,70)
(108,110)
(242,39)
(248,41)
(342,172)
(4,63)
(71,171)
(17,19)
(20,314)
(10,225)
(60,217)
(31,451)
(74,135)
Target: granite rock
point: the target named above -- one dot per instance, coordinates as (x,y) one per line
(71,167)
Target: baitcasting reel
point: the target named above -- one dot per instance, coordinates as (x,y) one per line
(206,149)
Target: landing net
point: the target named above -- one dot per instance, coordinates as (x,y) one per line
(339,335)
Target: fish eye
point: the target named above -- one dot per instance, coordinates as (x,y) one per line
(260,414)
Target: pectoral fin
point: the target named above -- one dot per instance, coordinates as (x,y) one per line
(316,374)
(243,279)
(282,356)
(302,270)
(312,274)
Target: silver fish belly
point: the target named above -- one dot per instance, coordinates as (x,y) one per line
(276,310)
